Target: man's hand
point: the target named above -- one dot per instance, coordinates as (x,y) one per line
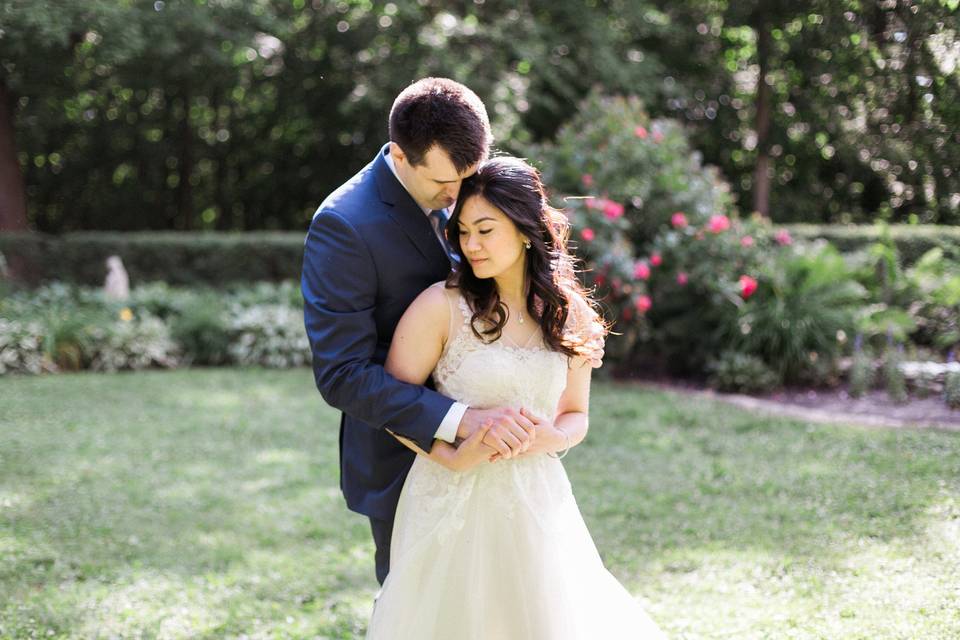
(511,433)
(547,437)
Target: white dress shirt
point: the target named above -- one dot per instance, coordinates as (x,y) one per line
(447,431)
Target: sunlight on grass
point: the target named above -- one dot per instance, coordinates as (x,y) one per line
(206,504)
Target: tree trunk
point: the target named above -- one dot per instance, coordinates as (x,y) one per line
(13,200)
(761,174)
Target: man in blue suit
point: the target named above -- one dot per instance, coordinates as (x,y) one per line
(374,245)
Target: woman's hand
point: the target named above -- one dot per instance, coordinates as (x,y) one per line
(547,437)
(471,451)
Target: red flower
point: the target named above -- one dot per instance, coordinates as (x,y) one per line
(682,278)
(747,286)
(657,137)
(587,180)
(641,270)
(617,284)
(599,280)
(612,210)
(678,220)
(643,304)
(718,223)
(656,260)
(746,241)
(587,234)
(627,313)
(640,132)
(783,237)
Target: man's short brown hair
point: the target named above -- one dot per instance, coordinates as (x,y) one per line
(440,112)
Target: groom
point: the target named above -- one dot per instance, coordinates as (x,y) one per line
(374,244)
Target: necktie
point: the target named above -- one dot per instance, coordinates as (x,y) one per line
(438,219)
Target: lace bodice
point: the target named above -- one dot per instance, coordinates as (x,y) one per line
(498,374)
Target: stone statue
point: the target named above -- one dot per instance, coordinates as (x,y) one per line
(117,285)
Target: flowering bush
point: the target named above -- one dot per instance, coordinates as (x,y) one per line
(60,327)
(269,335)
(133,343)
(639,171)
(21,347)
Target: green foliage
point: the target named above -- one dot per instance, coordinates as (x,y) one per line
(893,377)
(862,371)
(951,390)
(805,306)
(65,328)
(911,241)
(734,371)
(201,329)
(611,149)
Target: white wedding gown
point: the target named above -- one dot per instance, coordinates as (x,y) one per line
(499,552)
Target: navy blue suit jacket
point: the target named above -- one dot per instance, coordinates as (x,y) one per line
(369,252)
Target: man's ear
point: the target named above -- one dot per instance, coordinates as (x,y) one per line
(399,157)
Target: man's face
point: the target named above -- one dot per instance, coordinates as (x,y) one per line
(435,183)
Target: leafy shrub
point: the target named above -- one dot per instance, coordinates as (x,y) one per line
(951,390)
(133,343)
(611,149)
(270,336)
(202,331)
(893,375)
(862,371)
(21,347)
(734,371)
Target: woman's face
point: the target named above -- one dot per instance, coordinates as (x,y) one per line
(490,241)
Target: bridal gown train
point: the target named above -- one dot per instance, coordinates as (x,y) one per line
(499,552)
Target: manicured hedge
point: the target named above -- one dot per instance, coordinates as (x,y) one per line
(213,258)
(177,258)
(912,240)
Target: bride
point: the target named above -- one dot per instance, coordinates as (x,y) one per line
(487,548)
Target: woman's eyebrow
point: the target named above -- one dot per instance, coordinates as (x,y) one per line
(478,220)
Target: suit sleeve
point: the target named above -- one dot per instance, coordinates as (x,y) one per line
(339,285)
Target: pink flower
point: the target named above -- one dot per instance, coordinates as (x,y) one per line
(682,278)
(617,284)
(643,304)
(587,180)
(657,137)
(783,237)
(587,234)
(678,220)
(746,241)
(640,132)
(718,223)
(747,286)
(656,260)
(592,203)
(641,270)
(612,210)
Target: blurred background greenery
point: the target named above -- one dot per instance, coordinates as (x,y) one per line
(226,115)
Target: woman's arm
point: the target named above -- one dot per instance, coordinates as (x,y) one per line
(414,352)
(570,426)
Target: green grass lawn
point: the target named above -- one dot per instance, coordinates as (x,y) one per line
(205,504)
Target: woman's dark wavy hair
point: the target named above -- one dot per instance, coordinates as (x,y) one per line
(514,187)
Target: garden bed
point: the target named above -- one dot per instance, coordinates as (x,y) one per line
(834,405)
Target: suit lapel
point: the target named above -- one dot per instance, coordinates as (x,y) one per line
(407,214)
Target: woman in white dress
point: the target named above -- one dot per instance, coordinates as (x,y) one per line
(487,548)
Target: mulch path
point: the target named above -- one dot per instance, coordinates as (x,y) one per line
(834,405)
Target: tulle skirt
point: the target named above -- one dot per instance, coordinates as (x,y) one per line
(499,552)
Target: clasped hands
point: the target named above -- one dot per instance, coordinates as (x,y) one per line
(488,435)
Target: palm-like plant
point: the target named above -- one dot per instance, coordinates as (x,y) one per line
(804,308)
